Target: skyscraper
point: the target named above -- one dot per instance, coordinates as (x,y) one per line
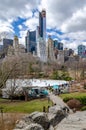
(31,41)
(15,42)
(50,50)
(56,44)
(6,44)
(41,50)
(60,46)
(42,24)
(81,50)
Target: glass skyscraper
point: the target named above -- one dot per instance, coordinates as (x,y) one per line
(31,41)
(42,24)
(58,45)
(81,50)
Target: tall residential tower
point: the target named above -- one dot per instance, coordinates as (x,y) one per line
(42,24)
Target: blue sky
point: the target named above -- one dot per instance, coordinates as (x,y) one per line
(66,21)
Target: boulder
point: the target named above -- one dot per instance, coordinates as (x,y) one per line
(40,118)
(75,121)
(32,126)
(35,117)
(21,124)
(46,121)
(55,115)
(51,128)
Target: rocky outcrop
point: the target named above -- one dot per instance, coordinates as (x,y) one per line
(56,114)
(32,126)
(37,119)
(76,121)
(40,118)
(44,121)
(56,119)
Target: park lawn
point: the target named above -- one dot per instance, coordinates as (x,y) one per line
(73,95)
(24,107)
(80,96)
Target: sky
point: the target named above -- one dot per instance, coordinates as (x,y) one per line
(66,19)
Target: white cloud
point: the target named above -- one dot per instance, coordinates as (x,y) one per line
(6,29)
(20,8)
(11,10)
(20,27)
(76,23)
(22,37)
(31,23)
(68,16)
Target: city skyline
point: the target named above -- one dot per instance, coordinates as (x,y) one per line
(65,21)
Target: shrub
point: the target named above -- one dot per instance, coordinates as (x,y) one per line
(74,103)
(82,99)
(67,99)
(83,108)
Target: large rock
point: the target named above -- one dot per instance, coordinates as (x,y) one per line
(32,126)
(40,118)
(76,121)
(35,117)
(56,114)
(21,125)
(47,121)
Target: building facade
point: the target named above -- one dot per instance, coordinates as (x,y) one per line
(42,24)
(81,50)
(50,50)
(60,57)
(6,44)
(56,44)
(41,37)
(60,46)
(16,49)
(31,42)
(41,50)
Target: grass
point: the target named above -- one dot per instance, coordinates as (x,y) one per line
(13,111)
(77,95)
(22,106)
(8,121)
(73,95)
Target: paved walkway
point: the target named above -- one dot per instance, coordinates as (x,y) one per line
(58,101)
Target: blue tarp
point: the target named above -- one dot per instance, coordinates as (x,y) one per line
(55,87)
(45,92)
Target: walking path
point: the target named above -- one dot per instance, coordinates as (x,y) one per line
(58,101)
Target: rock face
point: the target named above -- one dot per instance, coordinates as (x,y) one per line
(31,126)
(56,114)
(39,119)
(76,121)
(56,119)
(44,121)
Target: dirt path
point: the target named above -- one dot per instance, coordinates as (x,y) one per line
(58,101)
